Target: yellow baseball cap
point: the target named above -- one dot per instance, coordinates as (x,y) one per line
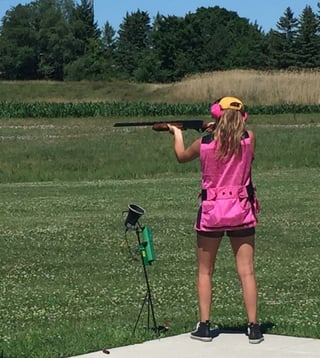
(231,103)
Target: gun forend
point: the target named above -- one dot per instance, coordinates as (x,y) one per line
(163,126)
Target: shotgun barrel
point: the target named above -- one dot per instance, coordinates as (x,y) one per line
(160,126)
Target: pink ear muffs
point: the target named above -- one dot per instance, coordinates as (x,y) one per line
(217,111)
(244,116)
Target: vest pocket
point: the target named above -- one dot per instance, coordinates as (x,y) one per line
(225,213)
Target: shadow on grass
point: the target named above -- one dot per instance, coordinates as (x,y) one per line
(2,355)
(242,329)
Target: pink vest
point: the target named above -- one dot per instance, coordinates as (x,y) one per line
(228,197)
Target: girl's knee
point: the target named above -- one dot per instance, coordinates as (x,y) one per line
(246,272)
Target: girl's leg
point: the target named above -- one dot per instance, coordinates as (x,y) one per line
(243,248)
(207,248)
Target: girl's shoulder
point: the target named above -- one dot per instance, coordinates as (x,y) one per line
(250,133)
(252,138)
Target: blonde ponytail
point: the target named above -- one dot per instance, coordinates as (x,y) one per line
(228,133)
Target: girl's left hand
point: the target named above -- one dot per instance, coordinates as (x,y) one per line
(173,129)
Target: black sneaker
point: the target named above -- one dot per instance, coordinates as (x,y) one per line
(254,333)
(202,332)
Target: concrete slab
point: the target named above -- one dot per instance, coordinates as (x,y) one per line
(226,345)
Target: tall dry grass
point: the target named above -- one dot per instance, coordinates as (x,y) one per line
(254,87)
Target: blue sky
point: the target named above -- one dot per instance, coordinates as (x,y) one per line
(266,13)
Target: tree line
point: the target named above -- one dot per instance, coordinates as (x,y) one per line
(60,40)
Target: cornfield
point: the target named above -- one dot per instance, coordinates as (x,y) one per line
(130,109)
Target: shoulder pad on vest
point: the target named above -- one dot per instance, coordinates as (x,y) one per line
(245,135)
(207,139)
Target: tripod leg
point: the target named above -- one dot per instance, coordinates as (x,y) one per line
(141,309)
(150,307)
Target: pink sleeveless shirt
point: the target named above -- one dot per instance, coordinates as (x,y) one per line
(226,203)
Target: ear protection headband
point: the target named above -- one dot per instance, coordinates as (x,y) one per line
(217,107)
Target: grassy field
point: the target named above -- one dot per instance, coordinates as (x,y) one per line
(69,284)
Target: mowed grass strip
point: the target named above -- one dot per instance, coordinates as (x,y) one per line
(92,149)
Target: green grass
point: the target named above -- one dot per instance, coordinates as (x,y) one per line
(68,283)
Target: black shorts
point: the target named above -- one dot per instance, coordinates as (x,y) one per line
(230,233)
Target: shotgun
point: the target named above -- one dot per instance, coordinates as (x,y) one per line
(196,124)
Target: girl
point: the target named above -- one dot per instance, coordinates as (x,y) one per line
(228,206)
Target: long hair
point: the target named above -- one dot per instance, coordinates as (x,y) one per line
(228,133)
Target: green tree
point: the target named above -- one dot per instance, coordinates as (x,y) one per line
(208,40)
(226,40)
(18,58)
(91,66)
(248,46)
(213,38)
(83,25)
(46,38)
(54,40)
(168,40)
(308,40)
(133,42)
(87,49)
(35,41)
(108,43)
(108,36)
(282,43)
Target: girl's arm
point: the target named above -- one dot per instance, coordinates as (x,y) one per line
(253,140)
(183,154)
